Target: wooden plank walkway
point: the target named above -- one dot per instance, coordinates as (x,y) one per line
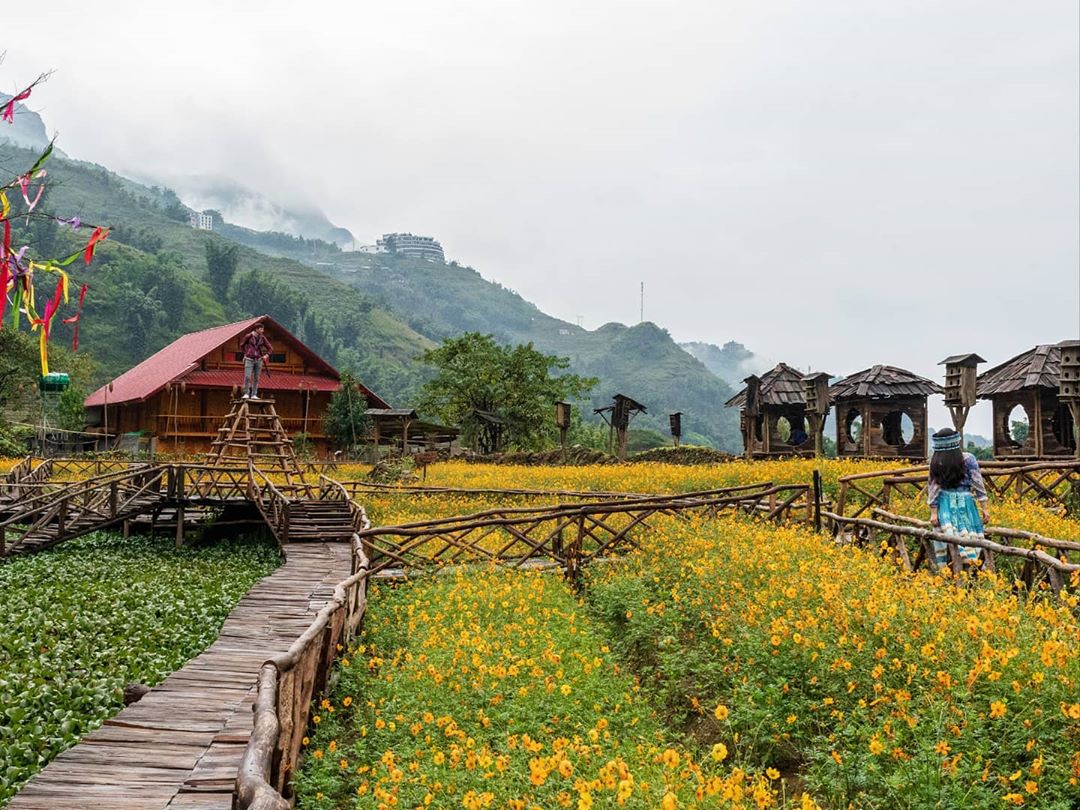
(180,746)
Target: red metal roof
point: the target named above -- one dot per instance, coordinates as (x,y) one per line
(179,361)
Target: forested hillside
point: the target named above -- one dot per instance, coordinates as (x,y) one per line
(370,314)
(149,283)
(643,362)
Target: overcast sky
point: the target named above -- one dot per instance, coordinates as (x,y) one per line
(834,184)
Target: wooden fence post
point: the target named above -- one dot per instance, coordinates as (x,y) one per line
(817,501)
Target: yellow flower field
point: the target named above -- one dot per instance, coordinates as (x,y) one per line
(493,689)
(748,665)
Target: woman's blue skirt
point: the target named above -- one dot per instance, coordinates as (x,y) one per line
(958,515)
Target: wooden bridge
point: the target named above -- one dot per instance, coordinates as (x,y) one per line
(41,513)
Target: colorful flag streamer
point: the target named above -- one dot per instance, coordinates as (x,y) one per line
(74,319)
(9,110)
(17,275)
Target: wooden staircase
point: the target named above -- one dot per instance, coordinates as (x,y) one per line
(320,520)
(252,433)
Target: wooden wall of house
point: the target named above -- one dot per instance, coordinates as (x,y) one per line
(186,421)
(879,434)
(285,357)
(1050,429)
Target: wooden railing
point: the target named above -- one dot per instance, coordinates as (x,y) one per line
(356,488)
(567,535)
(25,478)
(196,482)
(271,502)
(16,473)
(287,686)
(891,533)
(1056,483)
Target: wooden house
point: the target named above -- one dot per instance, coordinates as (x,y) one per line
(881,413)
(772,411)
(179,395)
(1027,389)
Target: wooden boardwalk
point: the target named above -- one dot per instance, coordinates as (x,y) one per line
(180,746)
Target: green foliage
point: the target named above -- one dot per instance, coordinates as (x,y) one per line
(474,373)
(20,397)
(85,619)
(346,424)
(70,409)
(221,263)
(981,453)
(1019,431)
(638,440)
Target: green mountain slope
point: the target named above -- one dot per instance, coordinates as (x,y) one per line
(148,284)
(643,362)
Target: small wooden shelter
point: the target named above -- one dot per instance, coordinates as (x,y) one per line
(1028,387)
(881,413)
(618,416)
(403,428)
(772,411)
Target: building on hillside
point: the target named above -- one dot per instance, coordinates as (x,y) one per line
(201,221)
(772,414)
(881,413)
(179,395)
(407,244)
(1031,420)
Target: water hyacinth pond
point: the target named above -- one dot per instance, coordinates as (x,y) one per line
(86,618)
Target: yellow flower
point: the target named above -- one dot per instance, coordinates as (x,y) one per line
(997,709)
(669,802)
(721,712)
(876,746)
(719,752)
(772,773)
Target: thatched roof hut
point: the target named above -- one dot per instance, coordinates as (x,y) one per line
(773,414)
(881,412)
(1023,390)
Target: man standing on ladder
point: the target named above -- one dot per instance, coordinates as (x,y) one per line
(257,350)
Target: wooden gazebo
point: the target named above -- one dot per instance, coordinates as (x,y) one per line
(1028,387)
(881,413)
(772,410)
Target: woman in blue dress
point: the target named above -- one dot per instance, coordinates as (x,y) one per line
(956,494)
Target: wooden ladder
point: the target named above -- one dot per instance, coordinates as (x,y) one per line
(252,432)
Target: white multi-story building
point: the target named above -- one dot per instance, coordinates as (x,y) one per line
(407,244)
(201,221)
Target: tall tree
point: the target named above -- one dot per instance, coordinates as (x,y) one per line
(500,396)
(221,264)
(346,423)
